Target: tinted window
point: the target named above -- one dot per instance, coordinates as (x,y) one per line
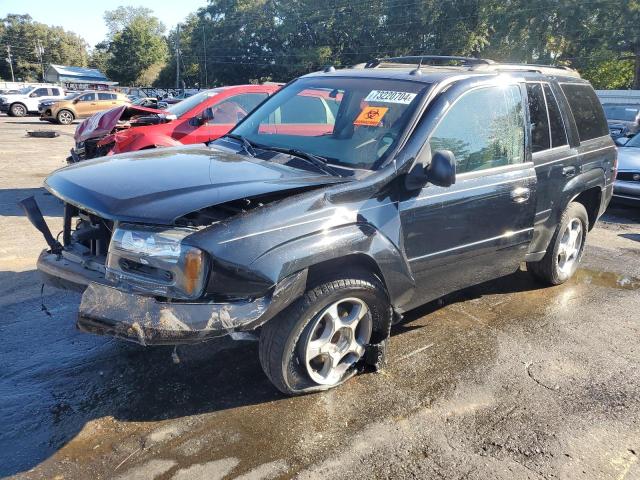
(538,117)
(40,92)
(558,132)
(106,96)
(587,111)
(484,129)
(87,97)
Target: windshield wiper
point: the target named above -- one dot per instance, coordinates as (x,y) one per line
(247,146)
(315,160)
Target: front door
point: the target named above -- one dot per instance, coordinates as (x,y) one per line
(480,227)
(86,105)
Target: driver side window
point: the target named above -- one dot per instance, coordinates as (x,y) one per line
(484,129)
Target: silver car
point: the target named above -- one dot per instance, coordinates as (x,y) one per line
(627,185)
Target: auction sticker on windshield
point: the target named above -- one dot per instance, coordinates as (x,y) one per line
(389,96)
(371,116)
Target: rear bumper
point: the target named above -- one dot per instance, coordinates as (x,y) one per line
(106,310)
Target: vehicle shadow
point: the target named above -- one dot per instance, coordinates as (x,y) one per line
(56,379)
(9,198)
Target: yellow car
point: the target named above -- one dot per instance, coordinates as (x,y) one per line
(83,106)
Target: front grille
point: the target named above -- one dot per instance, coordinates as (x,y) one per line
(628,176)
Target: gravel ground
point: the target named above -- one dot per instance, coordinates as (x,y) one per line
(505,380)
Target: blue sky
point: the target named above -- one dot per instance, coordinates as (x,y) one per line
(85,18)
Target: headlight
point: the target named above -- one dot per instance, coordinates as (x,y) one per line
(156,262)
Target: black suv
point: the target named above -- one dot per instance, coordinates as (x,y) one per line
(319,227)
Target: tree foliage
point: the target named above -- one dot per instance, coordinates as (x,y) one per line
(251,40)
(23,35)
(136,50)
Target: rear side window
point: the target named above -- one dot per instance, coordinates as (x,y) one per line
(540,139)
(484,129)
(556,124)
(587,111)
(106,96)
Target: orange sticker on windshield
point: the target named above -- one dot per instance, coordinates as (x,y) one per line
(371,116)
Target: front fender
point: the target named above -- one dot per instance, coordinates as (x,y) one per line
(356,239)
(141,142)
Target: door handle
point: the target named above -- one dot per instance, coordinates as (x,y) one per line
(569,171)
(520,194)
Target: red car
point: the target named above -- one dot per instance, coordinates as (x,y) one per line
(202,117)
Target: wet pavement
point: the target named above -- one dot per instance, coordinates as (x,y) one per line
(503,380)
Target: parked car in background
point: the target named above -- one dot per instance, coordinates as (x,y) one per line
(623,120)
(45,104)
(626,188)
(84,105)
(202,117)
(149,102)
(320,233)
(27,99)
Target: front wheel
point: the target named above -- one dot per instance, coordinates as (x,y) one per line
(317,342)
(18,110)
(565,249)
(65,117)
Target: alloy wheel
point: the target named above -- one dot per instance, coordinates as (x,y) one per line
(338,338)
(570,246)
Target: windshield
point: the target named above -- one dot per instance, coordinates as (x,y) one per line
(621,112)
(634,141)
(25,90)
(180,108)
(352,122)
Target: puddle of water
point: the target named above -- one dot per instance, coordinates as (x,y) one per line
(606,279)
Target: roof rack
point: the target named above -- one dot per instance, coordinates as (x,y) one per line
(469,63)
(431,60)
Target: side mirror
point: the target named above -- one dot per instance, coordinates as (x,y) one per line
(442,169)
(76,100)
(33,95)
(439,169)
(621,141)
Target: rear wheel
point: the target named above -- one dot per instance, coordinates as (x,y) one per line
(18,110)
(565,249)
(318,341)
(65,117)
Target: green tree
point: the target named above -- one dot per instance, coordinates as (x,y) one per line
(25,37)
(137,46)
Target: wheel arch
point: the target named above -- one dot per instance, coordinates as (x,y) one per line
(591,199)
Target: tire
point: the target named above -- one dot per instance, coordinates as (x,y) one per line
(288,340)
(555,267)
(65,117)
(18,110)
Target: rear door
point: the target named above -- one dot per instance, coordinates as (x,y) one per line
(480,227)
(106,100)
(554,154)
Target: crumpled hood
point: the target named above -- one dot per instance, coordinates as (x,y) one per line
(629,158)
(102,123)
(159,186)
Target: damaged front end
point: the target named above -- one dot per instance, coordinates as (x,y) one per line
(94,137)
(143,284)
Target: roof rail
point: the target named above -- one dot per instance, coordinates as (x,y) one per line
(529,67)
(427,60)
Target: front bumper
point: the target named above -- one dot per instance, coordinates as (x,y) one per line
(4,107)
(105,310)
(627,192)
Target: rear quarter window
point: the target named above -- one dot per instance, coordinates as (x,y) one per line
(587,111)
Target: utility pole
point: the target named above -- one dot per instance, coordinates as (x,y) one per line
(178,56)
(40,53)
(204,48)
(10,60)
